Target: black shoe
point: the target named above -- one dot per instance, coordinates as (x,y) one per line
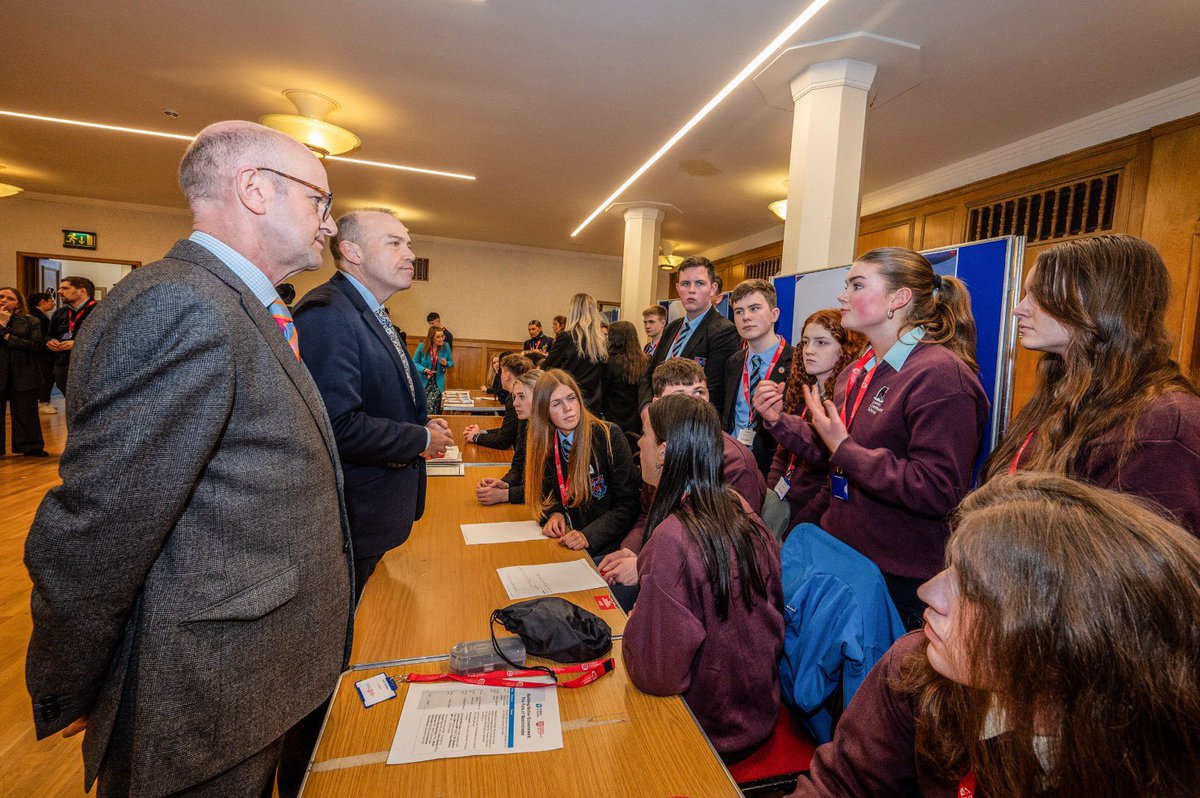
(37,453)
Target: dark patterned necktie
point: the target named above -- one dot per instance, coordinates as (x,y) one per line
(755,378)
(680,340)
(381,314)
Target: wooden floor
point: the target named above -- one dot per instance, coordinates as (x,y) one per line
(53,767)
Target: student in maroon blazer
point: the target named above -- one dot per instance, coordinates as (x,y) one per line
(902,431)
(709,618)
(1110,407)
(1058,658)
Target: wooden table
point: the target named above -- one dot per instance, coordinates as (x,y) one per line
(485,404)
(617,742)
(472,454)
(435,591)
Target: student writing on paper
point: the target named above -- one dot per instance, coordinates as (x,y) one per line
(902,431)
(1110,407)
(511,487)
(709,618)
(588,496)
(1059,658)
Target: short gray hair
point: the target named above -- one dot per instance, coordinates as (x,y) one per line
(349,228)
(219,148)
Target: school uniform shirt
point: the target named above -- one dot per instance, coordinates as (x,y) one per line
(736,413)
(606,518)
(738,471)
(504,436)
(1163,467)
(909,458)
(676,644)
(873,750)
(588,374)
(515,478)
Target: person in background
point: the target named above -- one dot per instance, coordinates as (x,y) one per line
(511,487)
(586,492)
(558,324)
(709,618)
(581,351)
(536,357)
(41,303)
(537,340)
(654,320)
(76,293)
(738,470)
(505,436)
(767,356)
(495,385)
(433,357)
(622,373)
(287,292)
(435,321)
(1059,657)
(801,487)
(902,430)
(718,289)
(20,374)
(702,334)
(1110,406)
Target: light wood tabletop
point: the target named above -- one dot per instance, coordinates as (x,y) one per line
(485,404)
(472,454)
(435,591)
(617,742)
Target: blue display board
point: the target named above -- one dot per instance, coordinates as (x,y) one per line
(992,271)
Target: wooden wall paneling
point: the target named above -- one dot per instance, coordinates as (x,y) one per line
(899,234)
(1189,343)
(941,228)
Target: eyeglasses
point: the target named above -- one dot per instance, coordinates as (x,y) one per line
(326,198)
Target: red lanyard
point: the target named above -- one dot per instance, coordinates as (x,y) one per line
(589,672)
(564,485)
(862,391)
(746,375)
(73,316)
(1012,468)
(966,787)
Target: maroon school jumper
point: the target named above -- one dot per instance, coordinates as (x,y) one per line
(808,491)
(909,458)
(873,751)
(739,470)
(1163,467)
(676,644)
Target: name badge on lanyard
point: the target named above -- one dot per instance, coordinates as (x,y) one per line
(746,435)
(839,484)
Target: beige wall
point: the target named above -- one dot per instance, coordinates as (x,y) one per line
(482,290)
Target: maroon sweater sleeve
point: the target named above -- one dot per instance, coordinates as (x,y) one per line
(944,440)
(796,435)
(740,471)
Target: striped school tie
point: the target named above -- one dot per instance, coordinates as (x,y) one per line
(283,317)
(756,362)
(681,340)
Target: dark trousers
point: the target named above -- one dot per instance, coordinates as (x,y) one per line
(46,368)
(903,590)
(251,778)
(60,375)
(26,425)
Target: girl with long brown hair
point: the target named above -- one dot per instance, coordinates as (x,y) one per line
(588,497)
(1060,657)
(622,373)
(902,430)
(826,348)
(1110,406)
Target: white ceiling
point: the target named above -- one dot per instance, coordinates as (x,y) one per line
(552,103)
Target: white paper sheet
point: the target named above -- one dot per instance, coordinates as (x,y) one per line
(502,532)
(452,455)
(442,721)
(527,581)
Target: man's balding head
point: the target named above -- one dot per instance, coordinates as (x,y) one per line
(207,170)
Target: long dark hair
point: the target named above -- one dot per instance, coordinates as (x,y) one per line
(1112,293)
(712,513)
(851,342)
(1081,610)
(624,351)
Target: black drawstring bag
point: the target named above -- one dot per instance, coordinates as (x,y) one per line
(554,628)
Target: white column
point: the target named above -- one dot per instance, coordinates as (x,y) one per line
(639,269)
(825,171)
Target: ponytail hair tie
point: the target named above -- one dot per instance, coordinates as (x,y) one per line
(937,283)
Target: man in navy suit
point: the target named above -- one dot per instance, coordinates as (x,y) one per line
(370,386)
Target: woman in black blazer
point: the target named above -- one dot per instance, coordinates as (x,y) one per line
(20,374)
(622,373)
(581,351)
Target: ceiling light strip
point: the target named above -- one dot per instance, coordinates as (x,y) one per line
(181,137)
(738,79)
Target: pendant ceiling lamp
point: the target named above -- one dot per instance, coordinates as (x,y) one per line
(666,261)
(308,125)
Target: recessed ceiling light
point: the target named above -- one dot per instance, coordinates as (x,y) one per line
(787,33)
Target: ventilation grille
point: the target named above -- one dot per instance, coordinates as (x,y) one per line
(763,269)
(1070,209)
(421,269)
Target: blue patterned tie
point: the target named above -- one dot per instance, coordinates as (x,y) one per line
(381,314)
(680,340)
(565,445)
(755,378)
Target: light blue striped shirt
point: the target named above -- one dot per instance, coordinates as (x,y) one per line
(247,272)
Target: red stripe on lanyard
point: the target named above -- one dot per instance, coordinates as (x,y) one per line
(589,672)
(564,485)
(855,373)
(746,375)
(966,787)
(1012,468)
(73,315)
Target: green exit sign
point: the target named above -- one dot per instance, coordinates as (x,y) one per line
(79,239)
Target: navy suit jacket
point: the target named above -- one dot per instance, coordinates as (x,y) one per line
(379,429)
